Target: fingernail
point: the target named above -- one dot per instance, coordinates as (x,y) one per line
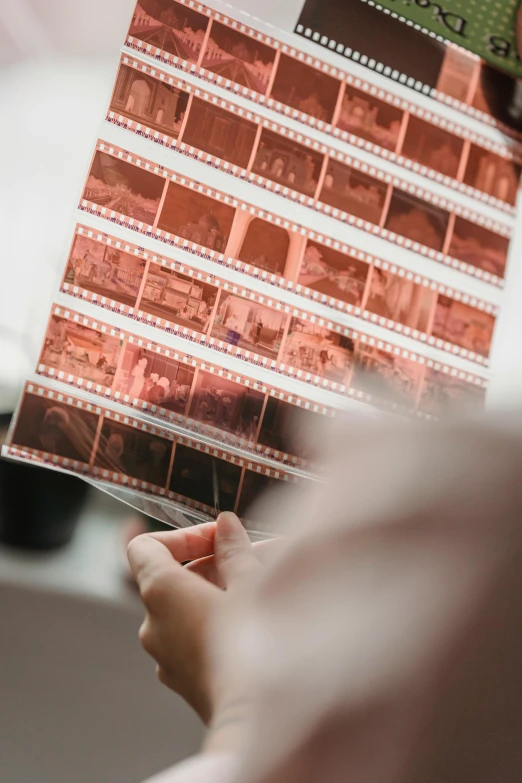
(228,524)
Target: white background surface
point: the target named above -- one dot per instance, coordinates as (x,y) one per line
(57,65)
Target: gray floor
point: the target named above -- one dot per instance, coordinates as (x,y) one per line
(79,701)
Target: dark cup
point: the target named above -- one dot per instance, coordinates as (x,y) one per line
(39,508)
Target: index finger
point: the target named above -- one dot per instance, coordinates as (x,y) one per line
(206,567)
(188,543)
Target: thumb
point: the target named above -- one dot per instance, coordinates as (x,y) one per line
(235,559)
(161,580)
(147,557)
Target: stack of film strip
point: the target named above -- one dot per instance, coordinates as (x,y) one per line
(266,236)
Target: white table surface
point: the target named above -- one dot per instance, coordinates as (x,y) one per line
(80,702)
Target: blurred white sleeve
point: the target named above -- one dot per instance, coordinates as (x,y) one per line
(386,639)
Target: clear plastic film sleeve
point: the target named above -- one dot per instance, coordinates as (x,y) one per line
(273,232)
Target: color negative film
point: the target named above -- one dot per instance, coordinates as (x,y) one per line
(341,360)
(230,54)
(179,390)
(271,157)
(176,298)
(371,35)
(155,201)
(177,115)
(68,433)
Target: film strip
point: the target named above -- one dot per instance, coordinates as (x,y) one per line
(138,194)
(203,399)
(188,120)
(305,171)
(67,432)
(369,34)
(308,348)
(223,51)
(124,278)
(329,273)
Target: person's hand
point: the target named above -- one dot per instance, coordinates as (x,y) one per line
(182,602)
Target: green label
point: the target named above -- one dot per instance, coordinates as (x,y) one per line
(484,27)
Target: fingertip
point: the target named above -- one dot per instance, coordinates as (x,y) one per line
(229,525)
(233,551)
(135,556)
(142,538)
(143,550)
(186,544)
(135,544)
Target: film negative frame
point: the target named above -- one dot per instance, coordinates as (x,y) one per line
(121,118)
(88,469)
(170,176)
(279,47)
(476,383)
(221,283)
(186,420)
